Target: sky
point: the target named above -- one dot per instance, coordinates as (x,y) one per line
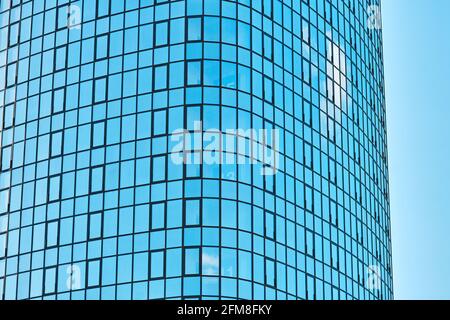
(417,73)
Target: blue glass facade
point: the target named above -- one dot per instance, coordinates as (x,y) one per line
(92,205)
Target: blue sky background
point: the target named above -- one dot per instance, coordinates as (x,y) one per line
(417,73)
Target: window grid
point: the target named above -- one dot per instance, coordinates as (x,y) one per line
(270,64)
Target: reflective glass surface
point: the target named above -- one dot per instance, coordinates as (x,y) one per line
(92,203)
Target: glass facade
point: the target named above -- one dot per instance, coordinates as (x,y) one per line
(92,203)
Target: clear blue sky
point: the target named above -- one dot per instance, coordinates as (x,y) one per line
(417,72)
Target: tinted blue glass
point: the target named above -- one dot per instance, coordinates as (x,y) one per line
(94,101)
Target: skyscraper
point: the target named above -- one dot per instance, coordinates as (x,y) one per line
(193,149)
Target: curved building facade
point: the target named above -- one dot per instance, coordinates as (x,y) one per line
(155,149)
